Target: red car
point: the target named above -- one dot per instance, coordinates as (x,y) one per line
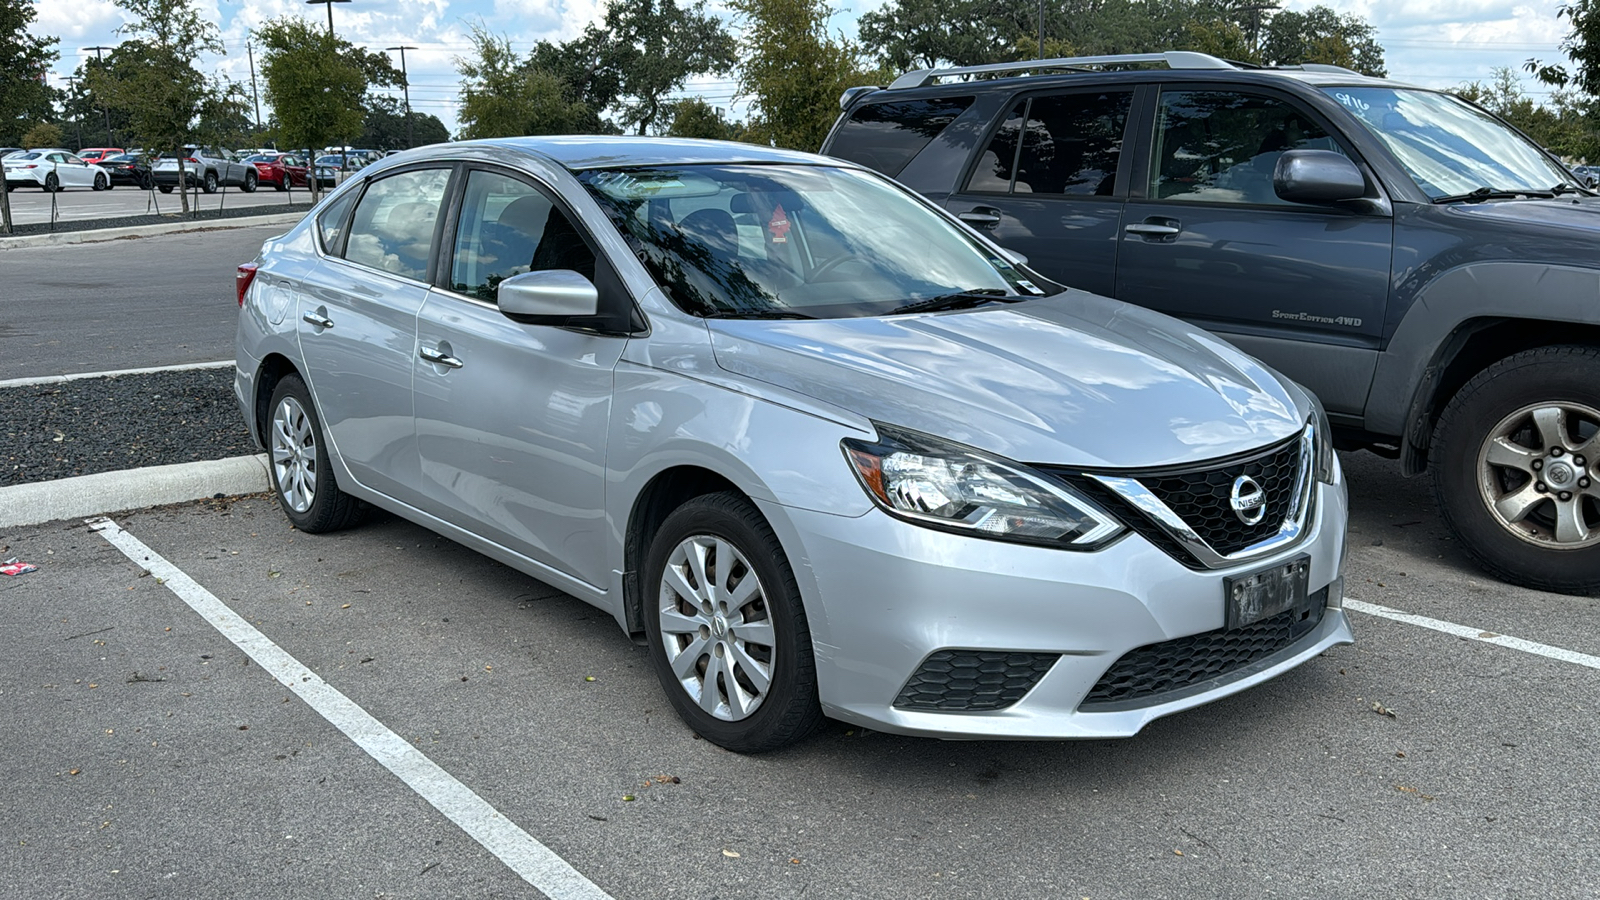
(93,155)
(281,171)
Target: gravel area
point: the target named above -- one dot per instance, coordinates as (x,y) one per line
(51,431)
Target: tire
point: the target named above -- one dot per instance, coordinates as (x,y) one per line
(688,643)
(298,466)
(102,183)
(282,184)
(1516,468)
(210,184)
(52,184)
(148,182)
(165,188)
(249,183)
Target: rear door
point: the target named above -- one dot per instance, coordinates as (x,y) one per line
(1050,182)
(1302,287)
(358,324)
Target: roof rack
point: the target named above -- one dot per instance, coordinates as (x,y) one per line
(1175,59)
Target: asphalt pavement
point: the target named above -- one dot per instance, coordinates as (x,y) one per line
(152,301)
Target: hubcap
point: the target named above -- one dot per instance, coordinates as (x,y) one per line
(294,455)
(1537,472)
(716,627)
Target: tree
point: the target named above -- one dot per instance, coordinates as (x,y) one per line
(44,134)
(161,93)
(383,125)
(317,83)
(25,98)
(502,98)
(1566,125)
(794,71)
(695,118)
(1320,35)
(1582,46)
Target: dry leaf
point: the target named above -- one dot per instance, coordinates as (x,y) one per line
(731,853)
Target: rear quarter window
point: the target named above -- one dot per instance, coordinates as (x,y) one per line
(887,136)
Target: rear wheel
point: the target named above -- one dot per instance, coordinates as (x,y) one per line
(302,477)
(166,188)
(101,182)
(250,182)
(1516,468)
(728,633)
(52,184)
(210,183)
(282,184)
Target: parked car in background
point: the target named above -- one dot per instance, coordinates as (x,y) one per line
(93,155)
(7,151)
(210,167)
(825,450)
(52,170)
(342,163)
(1589,174)
(280,170)
(128,169)
(1423,267)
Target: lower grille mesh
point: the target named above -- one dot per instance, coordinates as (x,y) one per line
(968,680)
(1146,675)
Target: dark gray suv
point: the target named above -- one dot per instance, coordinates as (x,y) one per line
(1429,272)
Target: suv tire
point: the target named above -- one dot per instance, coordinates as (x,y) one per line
(210,184)
(1516,468)
(785,707)
(249,182)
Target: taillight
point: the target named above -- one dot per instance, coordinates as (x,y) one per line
(242,280)
(193,160)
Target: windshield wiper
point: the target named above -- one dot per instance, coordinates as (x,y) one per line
(959,300)
(756,314)
(1569,188)
(1489,193)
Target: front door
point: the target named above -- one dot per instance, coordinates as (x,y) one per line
(511,419)
(1047,185)
(1302,287)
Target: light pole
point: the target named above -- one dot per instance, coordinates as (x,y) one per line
(330,11)
(405,85)
(110,138)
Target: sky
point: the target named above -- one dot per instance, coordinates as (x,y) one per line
(1433,43)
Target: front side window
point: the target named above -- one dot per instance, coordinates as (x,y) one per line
(887,136)
(1222,147)
(1449,147)
(331,222)
(507,228)
(792,241)
(392,229)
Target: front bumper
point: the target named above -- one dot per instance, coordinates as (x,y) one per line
(883,594)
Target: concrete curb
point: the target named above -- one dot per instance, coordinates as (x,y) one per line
(89,495)
(111,234)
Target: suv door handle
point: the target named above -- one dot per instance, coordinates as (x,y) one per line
(318,319)
(1153,229)
(435,355)
(981,216)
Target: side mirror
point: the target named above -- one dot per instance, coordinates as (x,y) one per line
(1017,259)
(1317,176)
(552,297)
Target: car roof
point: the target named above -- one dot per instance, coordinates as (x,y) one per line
(579,152)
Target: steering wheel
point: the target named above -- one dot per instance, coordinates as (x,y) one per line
(837,262)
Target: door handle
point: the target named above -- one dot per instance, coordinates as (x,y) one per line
(318,319)
(1152,229)
(434,355)
(982,217)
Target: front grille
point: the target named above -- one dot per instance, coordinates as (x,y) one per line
(973,680)
(1201,497)
(1155,672)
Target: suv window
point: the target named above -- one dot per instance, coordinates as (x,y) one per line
(887,136)
(1070,144)
(392,229)
(1221,146)
(507,228)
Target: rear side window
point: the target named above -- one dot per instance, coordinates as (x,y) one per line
(392,228)
(1068,144)
(887,136)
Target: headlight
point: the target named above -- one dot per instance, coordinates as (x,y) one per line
(944,485)
(1322,432)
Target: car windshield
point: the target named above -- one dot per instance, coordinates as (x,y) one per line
(1449,147)
(793,241)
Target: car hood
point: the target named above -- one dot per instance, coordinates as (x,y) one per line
(1560,213)
(1074,379)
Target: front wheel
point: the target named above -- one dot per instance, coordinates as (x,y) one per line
(727,630)
(1516,468)
(166,188)
(301,475)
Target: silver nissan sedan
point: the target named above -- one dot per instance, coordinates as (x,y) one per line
(828,450)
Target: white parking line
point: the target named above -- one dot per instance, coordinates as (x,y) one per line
(1476,634)
(58,379)
(537,864)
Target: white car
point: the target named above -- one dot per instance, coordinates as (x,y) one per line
(53,170)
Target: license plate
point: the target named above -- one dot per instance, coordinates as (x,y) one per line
(1262,595)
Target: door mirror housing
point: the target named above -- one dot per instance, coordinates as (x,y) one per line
(551,297)
(1015,258)
(1317,176)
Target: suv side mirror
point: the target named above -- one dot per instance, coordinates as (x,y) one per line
(1317,176)
(550,297)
